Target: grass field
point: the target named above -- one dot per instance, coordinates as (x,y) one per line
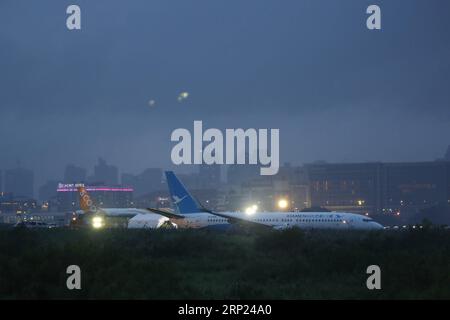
(200,264)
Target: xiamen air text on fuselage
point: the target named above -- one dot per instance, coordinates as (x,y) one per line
(190,214)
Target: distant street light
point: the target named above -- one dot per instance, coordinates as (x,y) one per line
(283,203)
(251,210)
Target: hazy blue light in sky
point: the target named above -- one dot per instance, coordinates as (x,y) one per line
(336,90)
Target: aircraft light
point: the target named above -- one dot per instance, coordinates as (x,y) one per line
(98,222)
(251,210)
(283,203)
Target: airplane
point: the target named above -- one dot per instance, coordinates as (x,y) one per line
(100,217)
(190,213)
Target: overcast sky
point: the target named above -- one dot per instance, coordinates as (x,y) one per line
(337,91)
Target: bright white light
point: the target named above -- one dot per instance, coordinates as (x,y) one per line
(97,222)
(283,203)
(182,96)
(251,210)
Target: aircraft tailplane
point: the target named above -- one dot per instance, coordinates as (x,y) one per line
(184,202)
(86,203)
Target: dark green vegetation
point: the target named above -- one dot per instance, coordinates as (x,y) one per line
(195,264)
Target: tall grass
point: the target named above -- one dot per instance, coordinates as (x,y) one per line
(200,264)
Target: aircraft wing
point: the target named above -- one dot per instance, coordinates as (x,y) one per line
(238,220)
(165,213)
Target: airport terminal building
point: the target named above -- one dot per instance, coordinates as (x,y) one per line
(104,196)
(380,188)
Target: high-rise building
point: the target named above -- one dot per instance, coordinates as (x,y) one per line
(240,173)
(20,182)
(287,190)
(1,181)
(398,188)
(47,191)
(74,174)
(151,180)
(148,181)
(128,179)
(209,175)
(104,173)
(346,187)
(415,185)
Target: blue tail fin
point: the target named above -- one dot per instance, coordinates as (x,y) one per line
(182,199)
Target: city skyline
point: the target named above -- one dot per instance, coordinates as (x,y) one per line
(150,179)
(337,91)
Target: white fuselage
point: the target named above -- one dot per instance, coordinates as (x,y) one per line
(120,212)
(138,218)
(141,218)
(200,220)
(311,220)
(285,220)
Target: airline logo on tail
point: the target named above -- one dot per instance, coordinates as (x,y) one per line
(177,200)
(184,202)
(86,203)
